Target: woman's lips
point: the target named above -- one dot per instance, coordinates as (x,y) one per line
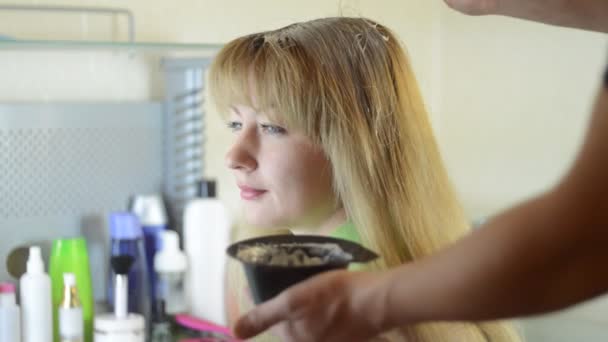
(249,194)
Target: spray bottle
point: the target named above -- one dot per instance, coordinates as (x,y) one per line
(36,302)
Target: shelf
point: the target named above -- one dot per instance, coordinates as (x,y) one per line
(8,44)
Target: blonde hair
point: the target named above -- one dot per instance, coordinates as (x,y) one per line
(348,85)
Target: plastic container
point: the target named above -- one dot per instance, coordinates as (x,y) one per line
(206,237)
(127,239)
(36,302)
(109,328)
(120,326)
(152,215)
(71,256)
(71,322)
(170,265)
(10,321)
(266,281)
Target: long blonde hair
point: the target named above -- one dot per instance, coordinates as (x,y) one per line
(348,85)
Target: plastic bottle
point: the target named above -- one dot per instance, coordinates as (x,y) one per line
(206,237)
(71,322)
(152,215)
(127,239)
(10,318)
(70,255)
(121,326)
(170,265)
(36,302)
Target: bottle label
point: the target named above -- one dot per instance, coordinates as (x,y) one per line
(71,324)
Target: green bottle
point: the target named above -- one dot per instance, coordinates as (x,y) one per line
(71,256)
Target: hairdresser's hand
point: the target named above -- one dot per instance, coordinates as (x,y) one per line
(474,7)
(587,15)
(335,306)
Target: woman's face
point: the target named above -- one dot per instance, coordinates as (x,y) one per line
(285,180)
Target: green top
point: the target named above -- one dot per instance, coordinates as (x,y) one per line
(348,232)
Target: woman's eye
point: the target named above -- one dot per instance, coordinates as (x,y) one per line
(272,129)
(234,125)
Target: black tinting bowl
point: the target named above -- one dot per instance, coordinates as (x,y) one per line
(267,281)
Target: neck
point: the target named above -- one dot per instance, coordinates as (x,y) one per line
(326,227)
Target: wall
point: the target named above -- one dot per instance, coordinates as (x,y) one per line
(515,101)
(509,100)
(191,21)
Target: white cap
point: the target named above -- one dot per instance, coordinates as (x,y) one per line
(150,210)
(69,279)
(34,260)
(170,258)
(110,324)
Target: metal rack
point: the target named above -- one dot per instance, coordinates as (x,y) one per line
(65,164)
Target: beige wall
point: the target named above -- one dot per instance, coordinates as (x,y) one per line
(508,99)
(515,98)
(188,21)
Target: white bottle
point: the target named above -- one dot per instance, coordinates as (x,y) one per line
(120,326)
(109,328)
(206,237)
(10,318)
(170,265)
(36,303)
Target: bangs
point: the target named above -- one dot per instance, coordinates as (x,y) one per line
(268,73)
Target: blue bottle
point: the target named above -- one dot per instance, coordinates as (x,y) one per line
(127,239)
(152,215)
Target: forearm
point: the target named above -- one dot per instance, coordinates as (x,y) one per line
(542,255)
(511,268)
(583,14)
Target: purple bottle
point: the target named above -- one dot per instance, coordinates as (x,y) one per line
(127,239)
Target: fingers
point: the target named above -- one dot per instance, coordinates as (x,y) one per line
(262,318)
(473,7)
(287,305)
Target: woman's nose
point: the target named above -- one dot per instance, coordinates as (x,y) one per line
(241,156)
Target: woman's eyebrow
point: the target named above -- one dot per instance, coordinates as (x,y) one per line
(236,110)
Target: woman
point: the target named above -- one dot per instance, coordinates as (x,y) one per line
(331,135)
